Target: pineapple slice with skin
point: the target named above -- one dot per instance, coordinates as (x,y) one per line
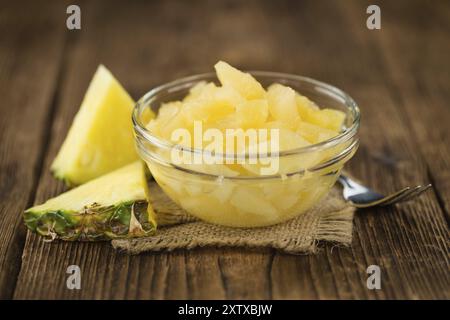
(112,206)
(101,136)
(242,82)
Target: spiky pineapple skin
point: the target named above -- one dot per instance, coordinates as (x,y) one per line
(109,207)
(92,224)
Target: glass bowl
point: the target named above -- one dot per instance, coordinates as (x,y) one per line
(216,194)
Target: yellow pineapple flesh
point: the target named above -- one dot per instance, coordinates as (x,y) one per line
(101,136)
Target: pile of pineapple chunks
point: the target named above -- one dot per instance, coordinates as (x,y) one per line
(242,102)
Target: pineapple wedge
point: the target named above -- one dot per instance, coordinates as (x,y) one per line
(283,104)
(101,136)
(112,206)
(242,82)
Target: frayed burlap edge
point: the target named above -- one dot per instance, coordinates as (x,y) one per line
(331,221)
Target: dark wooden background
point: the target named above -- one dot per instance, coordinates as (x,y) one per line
(400,76)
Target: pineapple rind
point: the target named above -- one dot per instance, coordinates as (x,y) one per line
(98,210)
(101,223)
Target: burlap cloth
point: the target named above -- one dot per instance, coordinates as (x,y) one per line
(331,221)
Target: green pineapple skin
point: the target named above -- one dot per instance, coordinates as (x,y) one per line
(95,223)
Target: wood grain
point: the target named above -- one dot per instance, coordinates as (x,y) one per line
(420,86)
(29,70)
(392,73)
(387,160)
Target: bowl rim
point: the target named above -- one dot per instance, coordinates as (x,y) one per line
(186,82)
(345,154)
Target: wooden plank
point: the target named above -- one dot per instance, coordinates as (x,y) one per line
(28,78)
(413,252)
(420,71)
(423,228)
(106,273)
(408,242)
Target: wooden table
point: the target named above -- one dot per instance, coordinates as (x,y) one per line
(399,75)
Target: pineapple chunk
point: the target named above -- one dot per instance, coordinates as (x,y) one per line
(223,189)
(166,114)
(242,82)
(290,140)
(101,136)
(216,169)
(326,118)
(252,200)
(112,206)
(168,110)
(276,125)
(229,95)
(179,120)
(208,208)
(283,105)
(314,133)
(207,110)
(252,114)
(304,105)
(196,91)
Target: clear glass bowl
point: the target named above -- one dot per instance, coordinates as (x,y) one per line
(212,194)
